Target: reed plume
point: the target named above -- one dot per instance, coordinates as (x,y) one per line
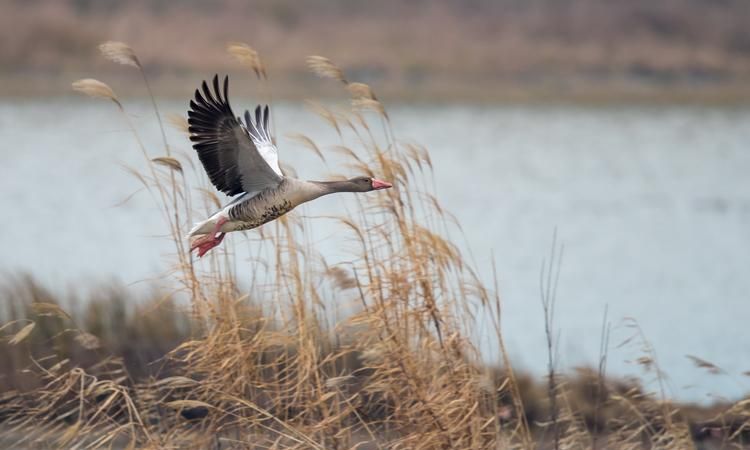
(95,88)
(120,53)
(325,68)
(248,56)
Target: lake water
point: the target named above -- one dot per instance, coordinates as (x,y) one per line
(651,203)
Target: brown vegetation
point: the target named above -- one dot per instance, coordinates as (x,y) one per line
(438,49)
(286,351)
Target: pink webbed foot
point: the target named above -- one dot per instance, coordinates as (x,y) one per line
(209,241)
(206,243)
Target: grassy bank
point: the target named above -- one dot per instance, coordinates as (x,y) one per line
(288,351)
(109,333)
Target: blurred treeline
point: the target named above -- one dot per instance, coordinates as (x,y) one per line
(476,48)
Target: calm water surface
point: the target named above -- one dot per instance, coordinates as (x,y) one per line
(652,205)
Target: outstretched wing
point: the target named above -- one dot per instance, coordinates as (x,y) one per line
(228,154)
(261,136)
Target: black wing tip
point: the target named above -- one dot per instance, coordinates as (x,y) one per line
(212,99)
(217,89)
(210,125)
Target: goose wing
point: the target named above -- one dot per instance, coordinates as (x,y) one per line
(235,159)
(261,136)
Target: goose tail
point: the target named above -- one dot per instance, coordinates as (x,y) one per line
(199,228)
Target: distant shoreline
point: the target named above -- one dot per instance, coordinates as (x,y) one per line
(564,91)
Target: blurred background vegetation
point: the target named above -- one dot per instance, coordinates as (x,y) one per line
(478,49)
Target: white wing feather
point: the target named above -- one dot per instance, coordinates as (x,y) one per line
(270,153)
(261,137)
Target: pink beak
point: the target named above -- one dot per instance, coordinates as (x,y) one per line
(377,184)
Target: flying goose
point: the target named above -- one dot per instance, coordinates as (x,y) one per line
(241,160)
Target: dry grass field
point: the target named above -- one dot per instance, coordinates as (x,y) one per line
(381,352)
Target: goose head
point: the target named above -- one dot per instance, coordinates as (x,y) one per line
(315,189)
(367,184)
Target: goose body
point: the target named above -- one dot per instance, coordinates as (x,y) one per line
(249,211)
(241,160)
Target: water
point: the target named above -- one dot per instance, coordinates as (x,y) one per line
(652,205)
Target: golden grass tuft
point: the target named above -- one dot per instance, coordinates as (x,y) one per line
(325,68)
(22,334)
(248,56)
(368,104)
(95,88)
(360,90)
(120,53)
(167,161)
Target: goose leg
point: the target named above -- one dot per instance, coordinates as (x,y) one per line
(211,240)
(209,243)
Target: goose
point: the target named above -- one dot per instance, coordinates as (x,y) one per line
(241,160)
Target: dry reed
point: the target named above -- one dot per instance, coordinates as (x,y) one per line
(270,365)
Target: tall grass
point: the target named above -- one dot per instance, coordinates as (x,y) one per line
(264,355)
